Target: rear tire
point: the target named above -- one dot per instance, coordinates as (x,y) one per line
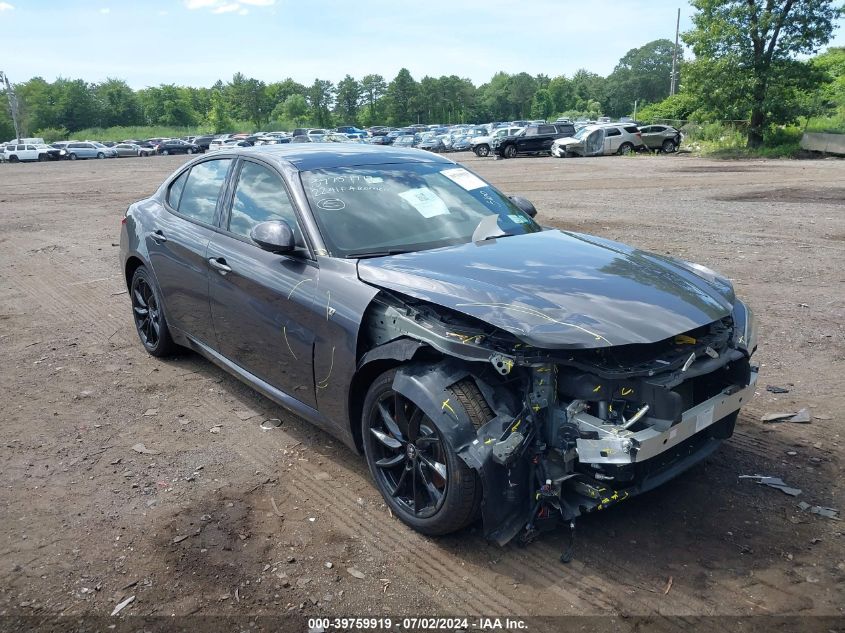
(148,314)
(13,159)
(164,152)
(42,158)
(430,471)
(190,151)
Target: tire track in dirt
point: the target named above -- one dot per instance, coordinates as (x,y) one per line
(427,561)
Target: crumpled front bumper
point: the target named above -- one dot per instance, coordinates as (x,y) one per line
(619,446)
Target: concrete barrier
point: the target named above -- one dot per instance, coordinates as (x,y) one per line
(827,143)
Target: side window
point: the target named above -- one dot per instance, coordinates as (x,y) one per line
(30,147)
(531,131)
(202,188)
(612,131)
(175,191)
(546,129)
(647,130)
(260,196)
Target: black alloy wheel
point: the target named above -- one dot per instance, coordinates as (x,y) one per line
(148,315)
(409,456)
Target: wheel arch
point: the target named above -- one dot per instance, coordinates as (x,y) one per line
(133,263)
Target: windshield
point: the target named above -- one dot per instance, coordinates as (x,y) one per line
(378,209)
(580,134)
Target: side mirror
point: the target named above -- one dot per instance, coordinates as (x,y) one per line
(275,236)
(524,205)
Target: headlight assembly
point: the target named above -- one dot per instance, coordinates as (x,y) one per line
(745,328)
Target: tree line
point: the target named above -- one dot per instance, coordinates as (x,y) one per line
(752,63)
(74,104)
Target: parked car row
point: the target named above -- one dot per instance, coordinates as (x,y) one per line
(561,138)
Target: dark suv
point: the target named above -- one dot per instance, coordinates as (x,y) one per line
(534,139)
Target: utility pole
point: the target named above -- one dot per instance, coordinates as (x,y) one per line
(635,109)
(13,102)
(673,81)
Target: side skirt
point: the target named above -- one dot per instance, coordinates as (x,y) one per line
(269,391)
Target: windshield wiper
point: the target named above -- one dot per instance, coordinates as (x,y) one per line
(384,253)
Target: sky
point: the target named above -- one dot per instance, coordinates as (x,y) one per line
(196,42)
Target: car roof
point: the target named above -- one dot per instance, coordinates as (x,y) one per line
(307,156)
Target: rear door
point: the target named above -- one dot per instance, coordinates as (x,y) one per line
(265,306)
(178,245)
(612,140)
(546,134)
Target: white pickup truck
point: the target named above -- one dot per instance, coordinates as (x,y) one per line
(481,144)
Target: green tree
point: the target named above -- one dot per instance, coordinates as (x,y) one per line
(760,41)
(402,96)
(320,97)
(294,109)
(373,88)
(348,100)
(643,74)
(218,117)
(117,103)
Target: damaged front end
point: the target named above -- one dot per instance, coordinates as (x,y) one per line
(573,430)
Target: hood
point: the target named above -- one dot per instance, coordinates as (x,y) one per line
(569,140)
(559,290)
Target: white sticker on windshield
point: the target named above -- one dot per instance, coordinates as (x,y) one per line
(518,219)
(425,201)
(465,179)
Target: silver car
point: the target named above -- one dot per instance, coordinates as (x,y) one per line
(600,140)
(89,149)
(131,149)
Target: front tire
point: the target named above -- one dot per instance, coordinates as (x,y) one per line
(423,481)
(509,151)
(164,152)
(668,146)
(482,151)
(148,314)
(625,149)
(190,151)
(100,155)
(71,156)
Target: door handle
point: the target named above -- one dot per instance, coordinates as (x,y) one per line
(158,236)
(219,264)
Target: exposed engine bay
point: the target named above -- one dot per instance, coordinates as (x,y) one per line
(574,430)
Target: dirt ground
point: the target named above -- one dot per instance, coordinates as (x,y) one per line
(220,517)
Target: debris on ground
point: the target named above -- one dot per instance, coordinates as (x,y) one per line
(774,482)
(668,586)
(322,476)
(830,513)
(216,428)
(776,389)
(272,423)
(150,412)
(356,573)
(802,416)
(122,605)
(179,539)
(140,448)
(276,510)
(245,414)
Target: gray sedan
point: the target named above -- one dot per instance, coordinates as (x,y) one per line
(487,367)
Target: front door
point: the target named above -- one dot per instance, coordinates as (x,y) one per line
(264,305)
